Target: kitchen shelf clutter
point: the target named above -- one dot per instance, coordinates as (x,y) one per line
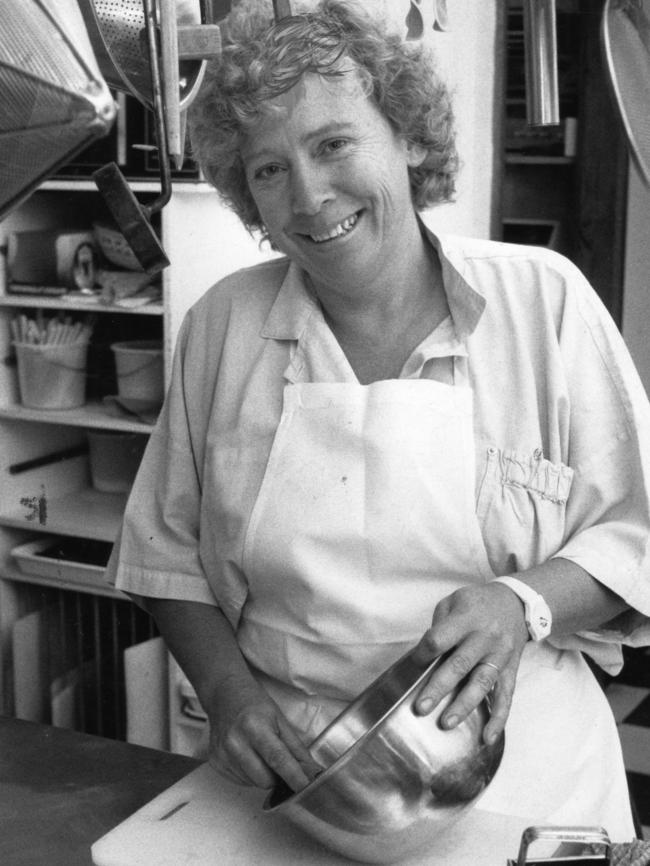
(86,343)
(63,306)
(565,186)
(539,162)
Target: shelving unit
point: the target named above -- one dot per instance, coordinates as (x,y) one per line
(539,164)
(572,176)
(45,487)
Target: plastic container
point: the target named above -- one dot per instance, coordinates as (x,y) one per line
(52,376)
(114,459)
(139,368)
(68,560)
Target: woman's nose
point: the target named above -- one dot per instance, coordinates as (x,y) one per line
(310,189)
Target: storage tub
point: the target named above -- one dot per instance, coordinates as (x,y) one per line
(52,376)
(114,459)
(140,372)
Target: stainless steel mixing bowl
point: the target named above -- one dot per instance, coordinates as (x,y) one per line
(393,780)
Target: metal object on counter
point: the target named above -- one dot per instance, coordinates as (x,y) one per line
(394,780)
(582,846)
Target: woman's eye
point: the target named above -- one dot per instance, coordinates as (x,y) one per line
(266,172)
(335,144)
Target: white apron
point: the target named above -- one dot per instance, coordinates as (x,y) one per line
(364,521)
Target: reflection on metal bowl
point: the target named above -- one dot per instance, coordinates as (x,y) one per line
(393,780)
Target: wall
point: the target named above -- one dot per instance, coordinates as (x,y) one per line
(470,62)
(636,297)
(468,59)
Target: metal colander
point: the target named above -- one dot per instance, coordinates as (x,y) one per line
(626,43)
(54,99)
(117,30)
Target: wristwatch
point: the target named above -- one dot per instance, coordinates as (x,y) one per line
(536,612)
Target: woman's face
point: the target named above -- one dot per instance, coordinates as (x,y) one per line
(330,179)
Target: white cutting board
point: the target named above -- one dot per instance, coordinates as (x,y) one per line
(204,820)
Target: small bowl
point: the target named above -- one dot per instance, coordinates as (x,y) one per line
(393,780)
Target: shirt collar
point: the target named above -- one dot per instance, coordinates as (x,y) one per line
(291,309)
(466,303)
(295,304)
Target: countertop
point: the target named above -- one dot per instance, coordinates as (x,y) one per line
(61,790)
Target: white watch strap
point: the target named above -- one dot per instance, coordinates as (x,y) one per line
(536,612)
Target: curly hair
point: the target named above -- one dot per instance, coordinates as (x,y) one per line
(262,59)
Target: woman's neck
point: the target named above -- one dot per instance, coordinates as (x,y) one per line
(379,325)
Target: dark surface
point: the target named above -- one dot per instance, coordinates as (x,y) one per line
(60,790)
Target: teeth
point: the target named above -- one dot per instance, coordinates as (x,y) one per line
(338,231)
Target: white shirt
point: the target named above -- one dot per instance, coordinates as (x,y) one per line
(562,428)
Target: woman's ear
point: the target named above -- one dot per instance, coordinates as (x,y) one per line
(415,154)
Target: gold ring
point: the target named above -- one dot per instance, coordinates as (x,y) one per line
(490,665)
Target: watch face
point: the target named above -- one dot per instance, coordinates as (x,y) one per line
(539,624)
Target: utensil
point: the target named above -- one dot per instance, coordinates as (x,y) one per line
(54,99)
(626,46)
(540,46)
(393,780)
(137,48)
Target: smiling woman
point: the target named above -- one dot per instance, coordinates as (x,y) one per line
(262,63)
(387,440)
(334,196)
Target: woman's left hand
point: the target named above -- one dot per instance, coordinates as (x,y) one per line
(483,632)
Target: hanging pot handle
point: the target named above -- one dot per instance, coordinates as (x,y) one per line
(132,218)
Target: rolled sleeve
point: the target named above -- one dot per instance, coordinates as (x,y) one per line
(157,551)
(570,400)
(608,512)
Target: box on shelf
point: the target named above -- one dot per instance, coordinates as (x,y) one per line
(52,258)
(71,560)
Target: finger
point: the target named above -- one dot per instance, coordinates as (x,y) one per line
(277,756)
(501,702)
(243,769)
(297,748)
(455,667)
(240,762)
(436,640)
(480,682)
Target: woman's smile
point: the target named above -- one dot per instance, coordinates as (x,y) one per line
(340,230)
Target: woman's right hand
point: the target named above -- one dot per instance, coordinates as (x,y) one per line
(252,742)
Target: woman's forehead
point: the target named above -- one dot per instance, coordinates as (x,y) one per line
(313,94)
(314,104)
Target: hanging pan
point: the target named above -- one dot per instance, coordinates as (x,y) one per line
(626,44)
(136,43)
(128,38)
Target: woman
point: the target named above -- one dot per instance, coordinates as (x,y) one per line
(361,435)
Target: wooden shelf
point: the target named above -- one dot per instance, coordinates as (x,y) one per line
(70,508)
(191,187)
(92,414)
(85,513)
(526,159)
(64,302)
